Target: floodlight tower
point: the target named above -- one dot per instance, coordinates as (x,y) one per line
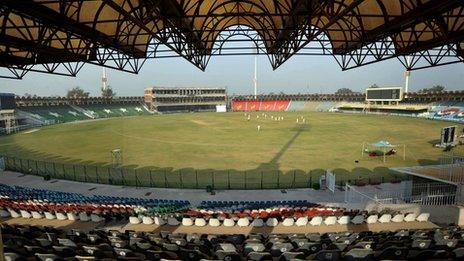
(104,80)
(255,78)
(407,74)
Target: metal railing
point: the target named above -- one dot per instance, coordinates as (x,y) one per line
(164,178)
(423,194)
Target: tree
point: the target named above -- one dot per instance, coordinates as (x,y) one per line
(77,92)
(108,92)
(435,88)
(343,91)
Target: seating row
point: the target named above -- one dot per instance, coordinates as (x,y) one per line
(46,243)
(272,222)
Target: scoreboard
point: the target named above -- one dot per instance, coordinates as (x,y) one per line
(384,94)
(7,101)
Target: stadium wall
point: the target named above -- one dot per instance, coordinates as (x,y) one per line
(265,105)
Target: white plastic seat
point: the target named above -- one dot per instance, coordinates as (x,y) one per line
(159,221)
(372,219)
(72,216)
(357,220)
(187,222)
(423,217)
(228,222)
(84,217)
(398,218)
(36,215)
(316,221)
(257,222)
(134,220)
(214,222)
(410,217)
(200,222)
(288,222)
(49,215)
(147,220)
(25,214)
(14,213)
(4,213)
(243,222)
(272,222)
(173,221)
(331,220)
(301,221)
(61,216)
(96,218)
(344,220)
(385,218)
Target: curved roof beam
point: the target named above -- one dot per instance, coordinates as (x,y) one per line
(51,18)
(423,11)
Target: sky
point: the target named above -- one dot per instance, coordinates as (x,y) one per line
(300,74)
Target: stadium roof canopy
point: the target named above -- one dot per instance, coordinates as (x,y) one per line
(59,36)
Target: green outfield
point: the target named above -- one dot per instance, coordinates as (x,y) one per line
(199,148)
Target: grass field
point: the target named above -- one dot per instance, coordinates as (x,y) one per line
(206,143)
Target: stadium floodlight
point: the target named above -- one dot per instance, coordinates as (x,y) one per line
(116,158)
(255,77)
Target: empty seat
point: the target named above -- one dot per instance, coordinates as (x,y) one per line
(4,213)
(385,218)
(316,221)
(344,220)
(228,222)
(253,247)
(357,220)
(14,214)
(272,222)
(147,220)
(257,222)
(159,221)
(200,222)
(25,214)
(392,253)
(410,217)
(36,215)
(243,222)
(423,217)
(61,216)
(9,256)
(372,219)
(359,254)
(47,257)
(96,218)
(258,256)
(187,222)
(84,217)
(398,218)
(72,216)
(49,215)
(173,221)
(288,222)
(332,220)
(214,222)
(301,221)
(133,220)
